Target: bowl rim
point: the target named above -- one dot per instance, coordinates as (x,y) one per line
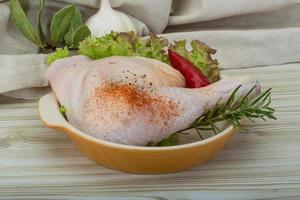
(67,127)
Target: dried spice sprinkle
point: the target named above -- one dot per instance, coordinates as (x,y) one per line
(128,98)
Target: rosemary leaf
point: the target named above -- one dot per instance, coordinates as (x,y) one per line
(234,110)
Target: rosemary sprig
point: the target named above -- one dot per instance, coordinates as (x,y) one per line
(234,110)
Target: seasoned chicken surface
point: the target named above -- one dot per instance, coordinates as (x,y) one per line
(132,100)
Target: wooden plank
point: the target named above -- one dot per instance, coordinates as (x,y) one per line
(261,162)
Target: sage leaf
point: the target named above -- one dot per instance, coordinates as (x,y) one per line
(81,33)
(23,24)
(60,23)
(41,33)
(75,23)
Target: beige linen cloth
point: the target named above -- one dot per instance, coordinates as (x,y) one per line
(246,33)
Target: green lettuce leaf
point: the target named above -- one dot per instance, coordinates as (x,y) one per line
(169,141)
(128,44)
(200,56)
(105,46)
(152,47)
(58,54)
(124,44)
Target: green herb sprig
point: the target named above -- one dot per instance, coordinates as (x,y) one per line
(234,110)
(67,28)
(63,110)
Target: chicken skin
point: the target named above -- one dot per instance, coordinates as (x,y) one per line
(133,100)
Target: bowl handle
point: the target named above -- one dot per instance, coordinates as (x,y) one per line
(49,112)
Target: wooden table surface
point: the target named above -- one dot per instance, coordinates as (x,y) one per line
(261,162)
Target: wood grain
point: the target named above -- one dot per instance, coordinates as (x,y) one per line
(261,162)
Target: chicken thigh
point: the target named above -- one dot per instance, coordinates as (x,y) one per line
(132,100)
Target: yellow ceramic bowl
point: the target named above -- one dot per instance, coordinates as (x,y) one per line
(134,159)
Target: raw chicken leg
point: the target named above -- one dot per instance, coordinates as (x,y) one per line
(132,100)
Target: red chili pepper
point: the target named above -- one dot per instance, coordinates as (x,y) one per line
(194,77)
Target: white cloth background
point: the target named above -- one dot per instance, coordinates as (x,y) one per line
(246,33)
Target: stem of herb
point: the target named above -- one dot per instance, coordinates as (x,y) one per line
(234,110)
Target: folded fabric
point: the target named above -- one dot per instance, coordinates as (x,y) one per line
(28,93)
(245,33)
(22,71)
(236,13)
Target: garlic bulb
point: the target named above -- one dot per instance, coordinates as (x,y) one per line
(107,20)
